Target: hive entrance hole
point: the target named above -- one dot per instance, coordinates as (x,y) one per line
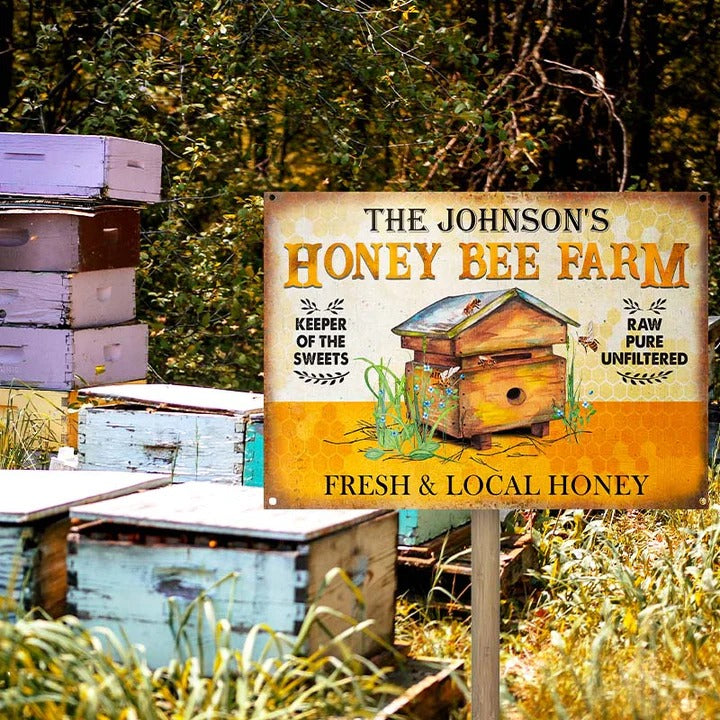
(515,396)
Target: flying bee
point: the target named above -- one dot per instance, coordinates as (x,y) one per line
(471,307)
(588,340)
(485,361)
(443,377)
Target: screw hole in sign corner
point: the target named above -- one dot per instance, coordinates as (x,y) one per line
(272,501)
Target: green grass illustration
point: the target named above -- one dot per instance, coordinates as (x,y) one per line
(406,417)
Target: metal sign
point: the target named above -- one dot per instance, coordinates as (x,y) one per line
(474,350)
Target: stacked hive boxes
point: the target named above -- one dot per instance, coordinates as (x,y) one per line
(69,245)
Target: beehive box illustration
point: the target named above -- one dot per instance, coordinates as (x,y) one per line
(494,351)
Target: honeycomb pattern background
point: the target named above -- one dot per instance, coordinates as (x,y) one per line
(307,441)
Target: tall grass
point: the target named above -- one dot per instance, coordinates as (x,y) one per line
(26,435)
(60,670)
(627,623)
(407,416)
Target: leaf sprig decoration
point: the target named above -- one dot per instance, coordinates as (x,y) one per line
(644,378)
(335,306)
(321,378)
(657,306)
(631,306)
(309,306)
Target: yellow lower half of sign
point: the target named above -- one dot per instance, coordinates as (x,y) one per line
(607,455)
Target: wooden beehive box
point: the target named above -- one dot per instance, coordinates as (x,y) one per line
(63,359)
(195,433)
(132,554)
(34,522)
(62,299)
(491,354)
(254,451)
(87,166)
(416,527)
(42,238)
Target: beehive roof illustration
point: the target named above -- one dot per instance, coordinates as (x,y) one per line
(447,318)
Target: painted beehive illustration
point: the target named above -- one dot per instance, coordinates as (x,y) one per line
(492,354)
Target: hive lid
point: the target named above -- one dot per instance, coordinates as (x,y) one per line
(27,495)
(222,509)
(180,396)
(448,317)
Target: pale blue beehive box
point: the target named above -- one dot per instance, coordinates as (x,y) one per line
(34,523)
(194,433)
(132,555)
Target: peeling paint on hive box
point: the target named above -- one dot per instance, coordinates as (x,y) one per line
(34,522)
(191,446)
(181,541)
(192,432)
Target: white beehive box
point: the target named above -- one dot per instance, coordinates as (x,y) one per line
(77,300)
(86,166)
(61,239)
(194,433)
(137,552)
(63,359)
(34,522)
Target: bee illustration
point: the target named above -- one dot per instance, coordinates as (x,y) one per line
(588,339)
(471,307)
(485,361)
(444,377)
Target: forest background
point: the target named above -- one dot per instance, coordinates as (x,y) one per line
(247,97)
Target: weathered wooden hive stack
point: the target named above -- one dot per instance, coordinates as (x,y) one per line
(34,523)
(69,247)
(194,433)
(130,555)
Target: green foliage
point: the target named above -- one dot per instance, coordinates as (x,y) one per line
(576,411)
(311,95)
(406,417)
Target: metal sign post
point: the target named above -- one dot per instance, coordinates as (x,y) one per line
(485,588)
